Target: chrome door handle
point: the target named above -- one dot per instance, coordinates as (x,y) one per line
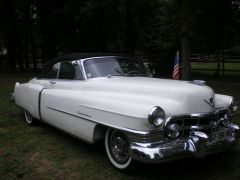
(52,82)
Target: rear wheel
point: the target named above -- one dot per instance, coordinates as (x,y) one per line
(29,118)
(117,148)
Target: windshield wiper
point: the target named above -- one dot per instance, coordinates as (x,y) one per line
(129,75)
(110,75)
(139,75)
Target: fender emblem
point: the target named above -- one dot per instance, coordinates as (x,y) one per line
(79,112)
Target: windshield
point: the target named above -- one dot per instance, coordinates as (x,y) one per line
(113,66)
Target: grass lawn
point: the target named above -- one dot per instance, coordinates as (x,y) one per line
(42,152)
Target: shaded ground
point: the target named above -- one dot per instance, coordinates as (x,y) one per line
(42,152)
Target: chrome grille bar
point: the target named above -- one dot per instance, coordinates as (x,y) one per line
(201,122)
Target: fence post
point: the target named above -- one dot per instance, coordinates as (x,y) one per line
(223,63)
(218,64)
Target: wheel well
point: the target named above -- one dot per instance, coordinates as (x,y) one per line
(99,133)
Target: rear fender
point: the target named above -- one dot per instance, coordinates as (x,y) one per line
(27,97)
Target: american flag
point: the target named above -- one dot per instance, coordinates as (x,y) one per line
(175,74)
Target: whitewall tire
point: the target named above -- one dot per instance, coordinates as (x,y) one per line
(29,118)
(117,147)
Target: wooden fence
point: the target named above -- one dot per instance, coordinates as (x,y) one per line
(218,63)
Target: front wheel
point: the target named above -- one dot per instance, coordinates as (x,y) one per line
(29,118)
(117,148)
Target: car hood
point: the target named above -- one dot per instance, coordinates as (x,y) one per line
(140,94)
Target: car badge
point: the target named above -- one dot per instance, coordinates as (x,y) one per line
(210,102)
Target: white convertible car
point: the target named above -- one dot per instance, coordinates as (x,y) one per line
(140,118)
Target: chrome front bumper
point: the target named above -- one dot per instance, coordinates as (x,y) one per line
(197,144)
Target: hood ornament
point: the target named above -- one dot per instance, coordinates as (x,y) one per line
(198,82)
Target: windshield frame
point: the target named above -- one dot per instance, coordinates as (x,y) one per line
(101,57)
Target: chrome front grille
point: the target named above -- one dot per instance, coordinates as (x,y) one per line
(206,123)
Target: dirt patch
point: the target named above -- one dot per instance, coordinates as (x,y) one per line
(3,130)
(68,174)
(1,152)
(68,171)
(40,165)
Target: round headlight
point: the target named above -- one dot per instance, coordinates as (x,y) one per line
(158,121)
(156,116)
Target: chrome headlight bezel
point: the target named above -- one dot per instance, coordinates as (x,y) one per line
(156,117)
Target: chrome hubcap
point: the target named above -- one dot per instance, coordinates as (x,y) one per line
(119,147)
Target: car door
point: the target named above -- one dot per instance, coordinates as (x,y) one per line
(59,83)
(60,103)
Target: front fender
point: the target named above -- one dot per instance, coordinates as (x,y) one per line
(222,101)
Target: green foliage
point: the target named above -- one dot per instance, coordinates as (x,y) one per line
(39,29)
(215,25)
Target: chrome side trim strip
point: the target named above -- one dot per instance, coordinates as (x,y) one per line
(105,124)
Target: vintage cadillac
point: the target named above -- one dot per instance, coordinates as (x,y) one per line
(140,118)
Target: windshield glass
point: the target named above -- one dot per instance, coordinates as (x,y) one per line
(113,66)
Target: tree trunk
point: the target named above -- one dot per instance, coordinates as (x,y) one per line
(223,63)
(0,64)
(185,58)
(46,9)
(19,52)
(185,14)
(26,51)
(27,29)
(10,55)
(129,41)
(218,64)
(20,59)
(11,35)
(33,50)
(42,56)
